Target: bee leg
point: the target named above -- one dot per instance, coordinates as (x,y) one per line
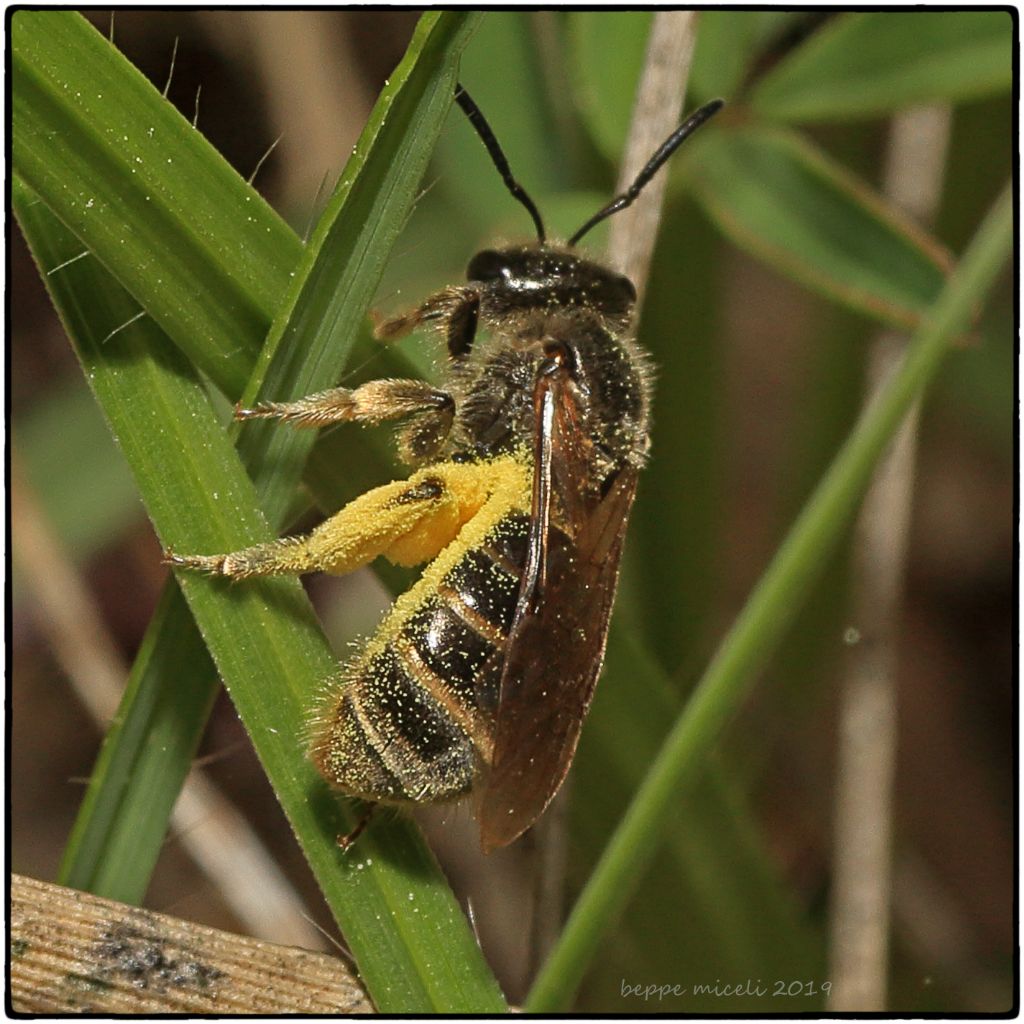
(347,841)
(462,326)
(457,307)
(374,402)
(408,521)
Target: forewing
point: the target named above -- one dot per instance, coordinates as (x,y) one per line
(556,644)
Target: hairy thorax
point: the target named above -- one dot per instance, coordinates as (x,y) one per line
(495,413)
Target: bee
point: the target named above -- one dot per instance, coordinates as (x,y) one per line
(525,469)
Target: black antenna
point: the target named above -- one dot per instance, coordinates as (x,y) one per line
(665,150)
(483,129)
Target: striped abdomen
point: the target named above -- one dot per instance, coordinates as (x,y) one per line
(415,720)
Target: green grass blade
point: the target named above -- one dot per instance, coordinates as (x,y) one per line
(606,53)
(325,305)
(781,198)
(122,823)
(863,65)
(121,826)
(148,196)
(351,222)
(712,898)
(771,606)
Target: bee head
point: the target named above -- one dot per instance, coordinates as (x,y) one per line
(546,277)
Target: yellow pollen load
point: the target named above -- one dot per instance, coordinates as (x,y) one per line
(488,491)
(411,521)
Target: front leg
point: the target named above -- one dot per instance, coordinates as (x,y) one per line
(458,309)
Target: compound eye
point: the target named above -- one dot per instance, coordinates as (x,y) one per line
(486,266)
(616,295)
(624,287)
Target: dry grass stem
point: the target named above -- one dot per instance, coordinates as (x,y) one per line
(657,111)
(73,953)
(866,759)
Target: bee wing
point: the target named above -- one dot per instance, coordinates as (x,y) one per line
(556,644)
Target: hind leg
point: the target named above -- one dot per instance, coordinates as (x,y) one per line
(408,522)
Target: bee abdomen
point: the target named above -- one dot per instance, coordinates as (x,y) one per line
(459,632)
(417,719)
(390,738)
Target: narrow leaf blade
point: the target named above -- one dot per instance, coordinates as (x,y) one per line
(862,65)
(779,197)
(147,195)
(606,50)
